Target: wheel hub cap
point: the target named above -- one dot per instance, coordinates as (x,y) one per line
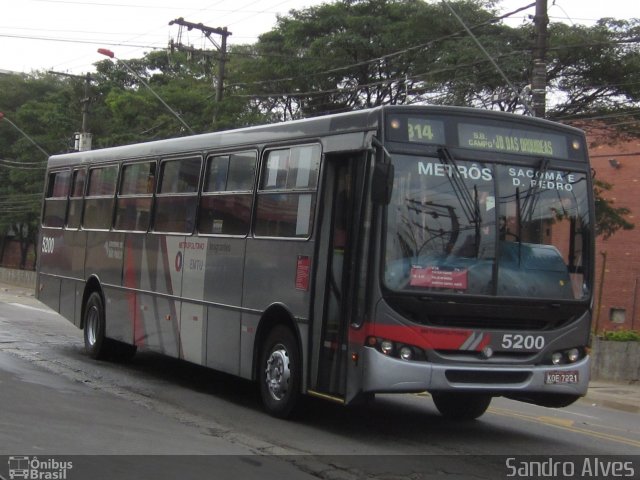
(92,325)
(278,373)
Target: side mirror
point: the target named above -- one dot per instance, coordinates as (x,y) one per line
(382,183)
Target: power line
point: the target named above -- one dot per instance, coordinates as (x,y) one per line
(145,6)
(85,42)
(16,162)
(430,43)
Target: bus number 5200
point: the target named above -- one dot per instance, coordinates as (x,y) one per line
(522,342)
(48,244)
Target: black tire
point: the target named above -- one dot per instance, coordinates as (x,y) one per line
(461,406)
(95,343)
(279,372)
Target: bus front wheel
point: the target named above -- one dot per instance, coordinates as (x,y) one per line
(279,372)
(461,406)
(95,342)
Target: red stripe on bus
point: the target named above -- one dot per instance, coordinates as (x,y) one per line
(426,337)
(130,281)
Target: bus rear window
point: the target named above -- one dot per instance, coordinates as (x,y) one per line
(74,216)
(98,211)
(55,205)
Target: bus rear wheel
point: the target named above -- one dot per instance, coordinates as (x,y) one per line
(279,372)
(95,342)
(461,406)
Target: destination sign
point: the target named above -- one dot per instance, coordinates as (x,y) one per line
(425,130)
(511,140)
(416,129)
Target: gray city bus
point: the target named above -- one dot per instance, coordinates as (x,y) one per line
(396,249)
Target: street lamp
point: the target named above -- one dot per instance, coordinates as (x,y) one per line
(110,54)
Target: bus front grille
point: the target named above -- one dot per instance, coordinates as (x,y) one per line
(486,377)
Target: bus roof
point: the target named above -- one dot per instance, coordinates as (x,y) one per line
(350,127)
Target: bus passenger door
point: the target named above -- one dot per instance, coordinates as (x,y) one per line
(334,281)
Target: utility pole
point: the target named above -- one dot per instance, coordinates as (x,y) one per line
(83,138)
(539,71)
(222,48)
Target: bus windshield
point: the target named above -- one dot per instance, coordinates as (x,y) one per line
(473,228)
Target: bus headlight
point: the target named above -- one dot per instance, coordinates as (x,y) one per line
(562,357)
(573,355)
(403,351)
(386,347)
(406,353)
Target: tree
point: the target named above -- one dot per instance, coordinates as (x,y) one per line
(42,106)
(609,219)
(360,53)
(339,56)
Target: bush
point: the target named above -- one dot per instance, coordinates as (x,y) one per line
(622,336)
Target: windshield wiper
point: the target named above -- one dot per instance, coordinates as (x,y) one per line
(532,197)
(470,208)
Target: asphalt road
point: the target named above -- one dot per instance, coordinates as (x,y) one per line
(158,417)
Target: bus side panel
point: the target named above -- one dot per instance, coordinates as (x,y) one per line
(192,314)
(77,241)
(223,288)
(68,299)
(276,272)
(105,251)
(153,266)
(55,260)
(118,320)
(49,291)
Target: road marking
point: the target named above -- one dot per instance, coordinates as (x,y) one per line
(557,423)
(29,307)
(569,412)
(563,422)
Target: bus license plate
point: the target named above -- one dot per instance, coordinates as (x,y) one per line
(561,377)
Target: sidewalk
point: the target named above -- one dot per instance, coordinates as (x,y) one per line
(618,396)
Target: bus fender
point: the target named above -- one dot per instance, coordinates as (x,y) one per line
(275,314)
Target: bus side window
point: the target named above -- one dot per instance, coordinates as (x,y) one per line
(287,194)
(135,196)
(74,215)
(177,198)
(225,205)
(55,204)
(99,201)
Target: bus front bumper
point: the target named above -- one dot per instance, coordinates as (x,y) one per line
(384,374)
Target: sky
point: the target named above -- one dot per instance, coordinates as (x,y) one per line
(64,35)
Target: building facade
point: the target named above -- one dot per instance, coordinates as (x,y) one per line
(617,291)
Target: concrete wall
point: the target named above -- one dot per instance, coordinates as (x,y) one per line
(20,278)
(615,361)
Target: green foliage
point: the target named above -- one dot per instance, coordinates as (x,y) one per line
(609,219)
(339,56)
(622,336)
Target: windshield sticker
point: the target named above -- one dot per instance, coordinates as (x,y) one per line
(434,277)
(543,180)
